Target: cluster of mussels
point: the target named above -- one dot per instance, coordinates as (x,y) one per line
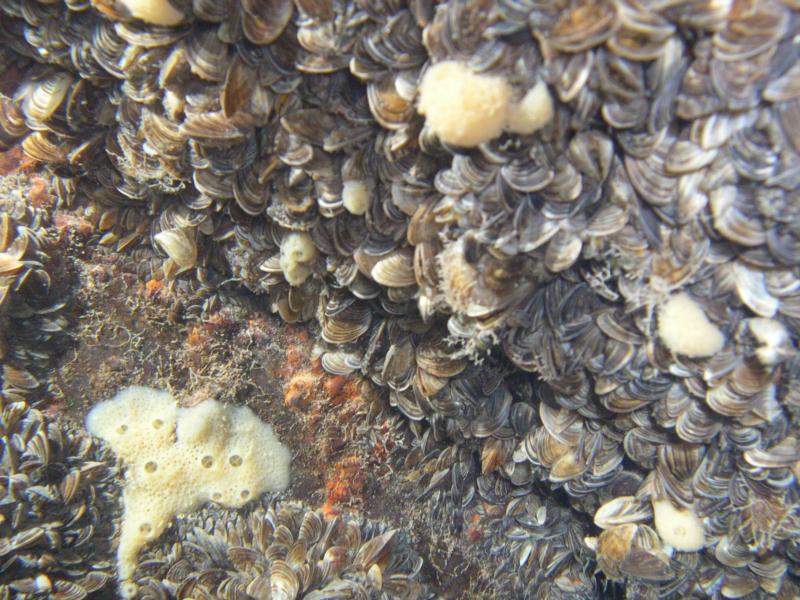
(280,552)
(57,493)
(57,490)
(30,318)
(529,301)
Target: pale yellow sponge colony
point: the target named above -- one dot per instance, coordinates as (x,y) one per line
(680,528)
(155,12)
(685,329)
(355,197)
(462,107)
(179,458)
(465,108)
(297,251)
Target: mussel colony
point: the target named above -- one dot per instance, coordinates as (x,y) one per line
(57,491)
(30,319)
(57,488)
(520,299)
(280,551)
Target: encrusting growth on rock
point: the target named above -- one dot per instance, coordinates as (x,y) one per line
(179,458)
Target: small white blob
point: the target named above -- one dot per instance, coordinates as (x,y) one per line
(155,12)
(773,339)
(179,458)
(533,112)
(685,329)
(462,107)
(355,197)
(677,527)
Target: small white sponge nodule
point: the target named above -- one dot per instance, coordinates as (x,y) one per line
(685,329)
(179,458)
(297,251)
(678,527)
(355,197)
(533,112)
(155,12)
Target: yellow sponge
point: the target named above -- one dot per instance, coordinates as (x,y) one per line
(179,458)
(467,108)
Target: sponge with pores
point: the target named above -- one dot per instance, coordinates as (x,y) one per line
(179,458)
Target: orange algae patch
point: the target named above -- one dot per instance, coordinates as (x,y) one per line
(326,406)
(474,531)
(294,357)
(297,358)
(300,335)
(261,330)
(154,286)
(66,224)
(39,194)
(341,389)
(221,321)
(196,337)
(29,164)
(379,453)
(333,386)
(347,483)
(299,390)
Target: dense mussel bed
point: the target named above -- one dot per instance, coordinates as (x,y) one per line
(529,303)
